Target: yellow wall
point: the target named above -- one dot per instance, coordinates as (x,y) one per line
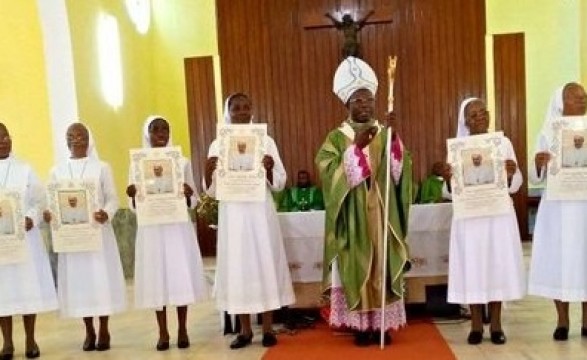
(115,130)
(182,28)
(556,52)
(23,88)
(583,29)
(152,66)
(552,35)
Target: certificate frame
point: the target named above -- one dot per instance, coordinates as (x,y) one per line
(245,180)
(488,195)
(162,203)
(72,204)
(567,179)
(13,248)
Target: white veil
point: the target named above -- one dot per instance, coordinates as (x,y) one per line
(462,128)
(146,140)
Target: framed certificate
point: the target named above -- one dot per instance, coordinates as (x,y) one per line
(567,169)
(240,175)
(158,176)
(72,204)
(12,228)
(479,180)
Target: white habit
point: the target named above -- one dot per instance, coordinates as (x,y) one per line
(74,215)
(168,264)
(558,269)
(485,255)
(241,162)
(27,287)
(159,185)
(479,175)
(252,273)
(573,157)
(91,283)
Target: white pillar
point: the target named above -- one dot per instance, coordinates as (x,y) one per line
(60,72)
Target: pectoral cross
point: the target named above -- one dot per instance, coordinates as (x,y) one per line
(350,22)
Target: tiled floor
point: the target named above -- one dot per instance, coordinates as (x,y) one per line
(528,324)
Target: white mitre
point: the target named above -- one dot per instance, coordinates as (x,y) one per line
(353,74)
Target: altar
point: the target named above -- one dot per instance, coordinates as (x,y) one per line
(428,240)
(303,237)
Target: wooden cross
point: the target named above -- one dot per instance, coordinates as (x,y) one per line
(349,22)
(383,14)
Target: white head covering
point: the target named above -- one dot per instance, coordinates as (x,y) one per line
(148,121)
(227,119)
(351,75)
(462,128)
(92,150)
(553,111)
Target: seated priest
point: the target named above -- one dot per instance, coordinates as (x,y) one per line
(302,197)
(431,189)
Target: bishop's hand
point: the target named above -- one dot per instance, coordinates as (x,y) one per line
(364,138)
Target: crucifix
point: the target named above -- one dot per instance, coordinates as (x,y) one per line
(349,22)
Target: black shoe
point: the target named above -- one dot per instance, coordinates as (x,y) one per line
(103,343)
(241,341)
(561,334)
(33,354)
(362,338)
(8,355)
(376,338)
(89,343)
(269,339)
(475,337)
(183,340)
(162,345)
(183,344)
(103,346)
(498,337)
(583,331)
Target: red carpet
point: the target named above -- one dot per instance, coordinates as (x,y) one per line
(419,340)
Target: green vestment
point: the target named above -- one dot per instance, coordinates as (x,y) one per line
(302,199)
(431,191)
(354,222)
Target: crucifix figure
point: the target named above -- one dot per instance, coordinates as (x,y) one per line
(350,29)
(350,21)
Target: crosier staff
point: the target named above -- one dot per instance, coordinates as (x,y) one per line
(392,62)
(385,235)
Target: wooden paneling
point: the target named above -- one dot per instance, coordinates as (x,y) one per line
(199,76)
(269,51)
(510,108)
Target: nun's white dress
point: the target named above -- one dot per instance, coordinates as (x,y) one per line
(91,283)
(252,273)
(26,287)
